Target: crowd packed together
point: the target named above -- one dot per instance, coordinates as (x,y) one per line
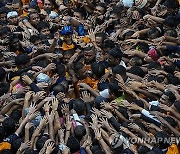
(89,76)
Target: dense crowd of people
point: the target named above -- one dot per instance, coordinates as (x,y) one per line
(89,76)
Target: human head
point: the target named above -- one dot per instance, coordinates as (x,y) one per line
(22,61)
(170,32)
(36,40)
(115,56)
(79,13)
(114,90)
(2,74)
(73,144)
(162,137)
(137,71)
(79,132)
(121,70)
(12,17)
(17,6)
(43,28)
(3,14)
(154,65)
(167,98)
(9,126)
(154,33)
(4,88)
(89,54)
(59,88)
(98,70)
(61,71)
(16,145)
(34,18)
(79,106)
(80,70)
(143,149)
(99,38)
(67,55)
(100,9)
(47,5)
(14,43)
(4,34)
(135,61)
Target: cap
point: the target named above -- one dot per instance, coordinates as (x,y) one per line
(128,3)
(43,78)
(12,14)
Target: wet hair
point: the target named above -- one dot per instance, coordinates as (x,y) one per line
(79,106)
(171,21)
(108,44)
(177,105)
(137,71)
(169,69)
(16,144)
(171,121)
(79,132)
(121,70)
(154,31)
(4,88)
(171,4)
(4,10)
(9,126)
(155,65)
(34,38)
(78,66)
(2,135)
(73,144)
(143,149)
(42,25)
(4,30)
(162,136)
(114,88)
(58,88)
(171,96)
(61,70)
(116,53)
(173,79)
(2,74)
(171,33)
(98,69)
(22,59)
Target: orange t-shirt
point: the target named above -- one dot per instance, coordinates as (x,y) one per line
(173,149)
(4,145)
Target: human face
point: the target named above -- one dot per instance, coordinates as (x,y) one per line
(99,11)
(99,41)
(89,56)
(78,16)
(68,39)
(47,5)
(112,61)
(45,31)
(15,44)
(82,73)
(66,58)
(17,8)
(38,43)
(34,19)
(165,100)
(13,20)
(3,17)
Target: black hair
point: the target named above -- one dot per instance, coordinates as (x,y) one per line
(16,115)
(144,47)
(9,126)
(138,102)
(17,2)
(68,52)
(171,96)
(128,34)
(2,74)
(30,151)
(2,135)
(143,149)
(3,10)
(25,73)
(169,69)
(152,31)
(103,6)
(121,70)
(16,144)
(4,30)
(88,48)
(155,65)
(6,151)
(40,142)
(177,105)
(117,148)
(171,121)
(171,32)
(96,149)
(98,69)
(116,53)
(81,11)
(114,88)
(171,21)
(136,70)
(79,132)
(58,88)
(78,66)
(108,44)
(42,25)
(34,38)
(162,136)
(123,111)
(35,7)
(73,144)
(61,70)
(102,35)
(4,88)
(171,4)
(22,59)
(172,79)
(79,106)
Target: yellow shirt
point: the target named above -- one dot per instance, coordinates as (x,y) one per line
(4,145)
(173,149)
